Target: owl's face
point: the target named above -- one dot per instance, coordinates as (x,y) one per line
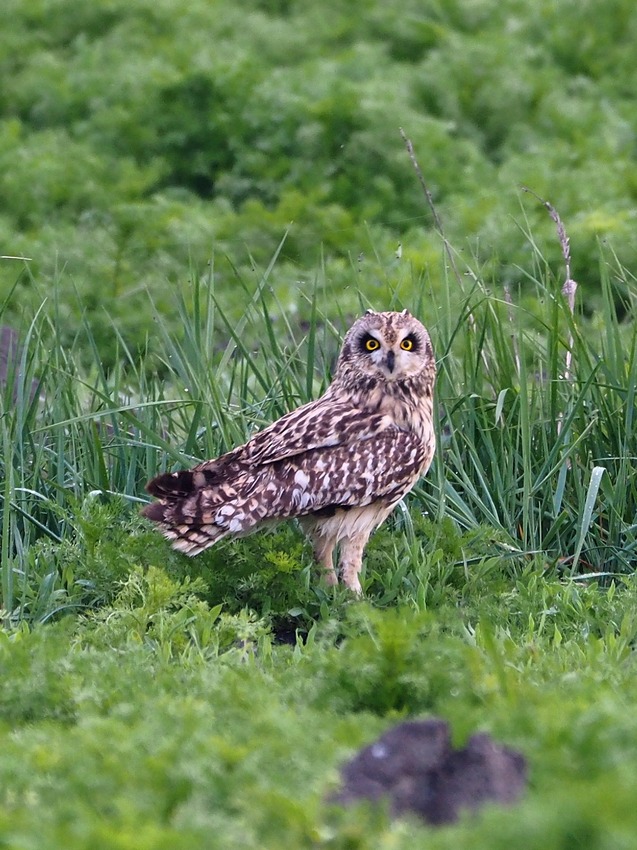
(387,346)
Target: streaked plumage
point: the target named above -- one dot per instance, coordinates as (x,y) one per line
(339,464)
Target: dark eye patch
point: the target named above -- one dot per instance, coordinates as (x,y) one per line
(410,343)
(369,343)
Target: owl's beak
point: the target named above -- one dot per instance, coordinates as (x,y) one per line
(390,361)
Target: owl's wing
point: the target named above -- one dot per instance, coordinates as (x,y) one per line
(229,495)
(316,425)
(381,467)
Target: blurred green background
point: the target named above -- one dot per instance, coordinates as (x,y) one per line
(141,140)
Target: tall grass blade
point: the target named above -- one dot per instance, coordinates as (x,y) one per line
(587,513)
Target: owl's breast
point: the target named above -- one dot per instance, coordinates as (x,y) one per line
(414,415)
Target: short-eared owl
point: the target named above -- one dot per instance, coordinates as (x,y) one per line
(339,464)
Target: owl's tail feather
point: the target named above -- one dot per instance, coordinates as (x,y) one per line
(172,486)
(191,540)
(156,511)
(176,512)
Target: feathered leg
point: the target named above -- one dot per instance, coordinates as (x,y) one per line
(323,546)
(324,555)
(351,561)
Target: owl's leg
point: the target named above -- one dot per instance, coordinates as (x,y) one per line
(324,554)
(351,561)
(323,545)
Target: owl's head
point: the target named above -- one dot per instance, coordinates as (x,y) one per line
(387,347)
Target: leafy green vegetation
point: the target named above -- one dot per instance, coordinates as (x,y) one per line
(138,138)
(208,194)
(162,722)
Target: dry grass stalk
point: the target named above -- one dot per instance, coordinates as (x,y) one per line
(570,286)
(437,223)
(432,206)
(568,289)
(509,303)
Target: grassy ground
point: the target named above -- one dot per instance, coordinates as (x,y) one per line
(152,701)
(161,722)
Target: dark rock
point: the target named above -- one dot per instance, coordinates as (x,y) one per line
(415,768)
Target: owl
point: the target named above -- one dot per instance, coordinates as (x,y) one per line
(338,464)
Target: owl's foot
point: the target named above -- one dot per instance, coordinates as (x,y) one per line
(329,574)
(350,578)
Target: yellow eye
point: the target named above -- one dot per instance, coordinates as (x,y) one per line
(407,344)
(372,344)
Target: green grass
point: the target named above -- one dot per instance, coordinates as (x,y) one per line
(540,459)
(154,701)
(162,723)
